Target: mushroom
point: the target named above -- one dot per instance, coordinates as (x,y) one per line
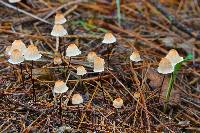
(60,18)
(16,57)
(118,103)
(80,72)
(109,38)
(91,57)
(174,57)
(18,44)
(32,54)
(99,67)
(72,50)
(135,56)
(58,31)
(77,99)
(57,60)
(165,66)
(60,87)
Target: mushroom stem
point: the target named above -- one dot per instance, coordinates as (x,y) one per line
(22,77)
(101,87)
(79,112)
(68,65)
(64,54)
(108,55)
(81,81)
(57,43)
(60,108)
(32,79)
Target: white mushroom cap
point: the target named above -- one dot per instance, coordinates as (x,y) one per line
(165,66)
(16,57)
(174,57)
(72,50)
(136,95)
(81,70)
(99,64)
(57,60)
(77,99)
(135,56)
(60,18)
(118,103)
(60,87)
(58,30)
(91,56)
(32,53)
(109,38)
(13,1)
(18,44)
(7,51)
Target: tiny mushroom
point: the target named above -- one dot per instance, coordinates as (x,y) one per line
(109,38)
(18,44)
(60,18)
(58,30)
(98,64)
(77,99)
(118,103)
(135,56)
(165,66)
(32,53)
(81,71)
(60,87)
(91,56)
(16,57)
(174,57)
(72,50)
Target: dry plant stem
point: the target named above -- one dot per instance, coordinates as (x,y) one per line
(32,79)
(22,77)
(57,43)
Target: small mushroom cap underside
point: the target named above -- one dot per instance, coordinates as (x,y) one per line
(109,38)
(165,66)
(60,87)
(58,31)
(77,99)
(72,50)
(16,57)
(32,53)
(99,64)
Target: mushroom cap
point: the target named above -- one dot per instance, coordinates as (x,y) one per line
(60,18)
(7,51)
(32,53)
(72,50)
(165,66)
(136,95)
(18,44)
(118,103)
(81,70)
(99,64)
(57,60)
(109,38)
(60,87)
(135,56)
(16,57)
(174,57)
(58,30)
(13,1)
(91,56)
(77,99)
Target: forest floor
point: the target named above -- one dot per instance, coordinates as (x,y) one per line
(152,27)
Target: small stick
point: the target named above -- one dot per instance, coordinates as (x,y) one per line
(102,87)
(60,108)
(34,95)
